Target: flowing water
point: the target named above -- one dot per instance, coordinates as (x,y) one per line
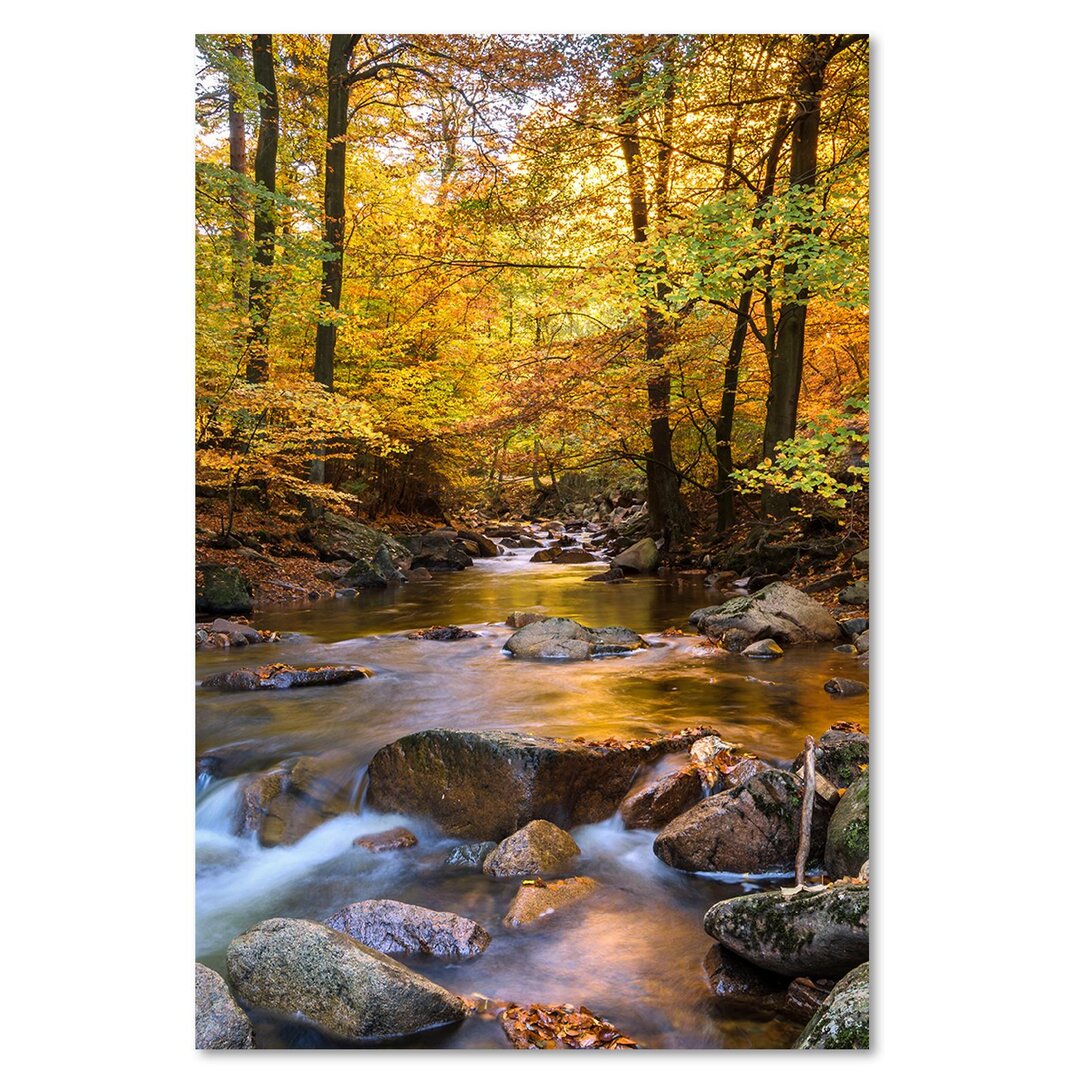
(633,953)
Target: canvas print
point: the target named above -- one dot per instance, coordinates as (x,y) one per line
(532,541)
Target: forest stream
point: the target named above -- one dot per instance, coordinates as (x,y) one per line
(634,954)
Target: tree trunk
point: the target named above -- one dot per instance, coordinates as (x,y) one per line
(668,516)
(238,164)
(785,368)
(258,365)
(337,119)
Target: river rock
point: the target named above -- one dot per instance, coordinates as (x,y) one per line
(839,755)
(777,611)
(283,677)
(824,932)
(545,555)
(350,991)
(564,639)
(862,559)
(847,842)
(538,899)
(390,926)
(804,996)
(387,840)
(250,635)
(418,573)
(611,575)
(849,648)
(740,983)
(483,785)
(220,1024)
(335,536)
(857,594)
(442,633)
(845,687)
(440,550)
(518,619)
(855,626)
(486,549)
(843,1021)
(225,591)
(750,829)
(654,805)
(538,846)
(862,642)
(766,649)
(734,640)
(641,558)
(470,854)
(375,572)
(574,555)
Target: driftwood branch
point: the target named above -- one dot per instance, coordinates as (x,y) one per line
(809,787)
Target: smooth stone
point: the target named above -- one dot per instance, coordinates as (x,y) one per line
(538,846)
(565,639)
(220,1024)
(662,800)
(283,677)
(388,840)
(845,687)
(847,842)
(776,611)
(541,899)
(390,926)
(470,854)
(858,594)
(766,649)
(640,558)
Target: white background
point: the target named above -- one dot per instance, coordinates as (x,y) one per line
(974,394)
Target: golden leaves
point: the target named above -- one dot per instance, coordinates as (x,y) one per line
(549,1027)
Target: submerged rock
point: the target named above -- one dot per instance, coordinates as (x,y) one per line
(388,840)
(470,854)
(740,983)
(483,785)
(843,1021)
(813,932)
(845,687)
(220,1024)
(574,555)
(350,991)
(766,649)
(538,846)
(564,639)
(611,575)
(283,677)
(847,842)
(393,927)
(442,633)
(641,558)
(777,611)
(750,829)
(539,899)
(225,591)
(658,802)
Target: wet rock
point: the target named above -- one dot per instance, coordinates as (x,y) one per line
(539,899)
(564,639)
(482,785)
(545,555)
(331,573)
(845,687)
(746,768)
(862,642)
(486,549)
(387,840)
(392,927)
(536,847)
(843,1021)
(201,637)
(823,932)
(777,611)
(574,555)
(518,619)
(283,677)
(470,854)
(849,649)
(439,550)
(858,594)
(418,573)
(654,805)
(766,649)
(225,591)
(703,614)
(344,594)
(611,575)
(847,842)
(220,1024)
(334,536)
(742,984)
(750,829)
(705,749)
(375,572)
(350,991)
(805,996)
(734,640)
(442,633)
(833,581)
(250,635)
(854,627)
(641,558)
(255,799)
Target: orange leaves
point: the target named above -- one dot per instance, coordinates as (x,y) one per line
(549,1027)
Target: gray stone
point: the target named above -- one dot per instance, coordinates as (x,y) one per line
(843,1021)
(855,626)
(839,756)
(862,559)
(470,854)
(862,642)
(390,926)
(564,639)
(350,991)
(337,537)
(538,847)
(857,594)
(220,1024)
(766,649)
(641,558)
(845,687)
(847,842)
(225,626)
(538,899)
(777,611)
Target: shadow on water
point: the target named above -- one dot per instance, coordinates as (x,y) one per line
(607,953)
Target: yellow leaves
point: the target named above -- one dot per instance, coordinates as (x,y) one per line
(547,1027)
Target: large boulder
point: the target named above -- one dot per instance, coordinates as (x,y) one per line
(485,548)
(220,1024)
(225,591)
(812,932)
(777,611)
(440,550)
(843,1021)
(334,536)
(752,828)
(348,990)
(483,785)
(847,842)
(641,558)
(390,926)
(538,899)
(539,846)
(662,800)
(374,572)
(739,983)
(564,639)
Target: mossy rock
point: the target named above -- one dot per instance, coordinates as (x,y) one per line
(847,843)
(843,1021)
(225,591)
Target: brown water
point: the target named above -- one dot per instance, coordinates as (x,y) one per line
(634,954)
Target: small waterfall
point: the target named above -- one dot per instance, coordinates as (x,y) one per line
(358,794)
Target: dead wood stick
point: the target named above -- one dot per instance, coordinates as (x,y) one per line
(807,812)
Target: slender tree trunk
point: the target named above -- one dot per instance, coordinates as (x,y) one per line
(668,515)
(238,164)
(258,365)
(786,366)
(337,119)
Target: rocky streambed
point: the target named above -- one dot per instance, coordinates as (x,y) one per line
(580,830)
